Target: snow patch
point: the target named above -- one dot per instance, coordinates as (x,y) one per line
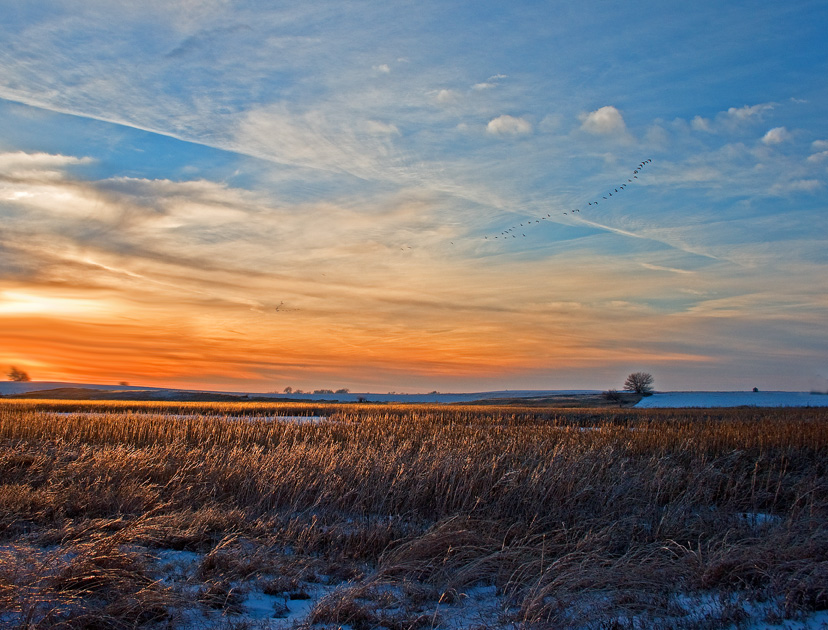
(732,399)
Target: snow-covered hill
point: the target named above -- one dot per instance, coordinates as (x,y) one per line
(733,399)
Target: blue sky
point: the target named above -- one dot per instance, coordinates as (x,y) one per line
(260,194)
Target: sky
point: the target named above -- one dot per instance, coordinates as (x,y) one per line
(415,196)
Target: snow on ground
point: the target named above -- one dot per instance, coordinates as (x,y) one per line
(261,611)
(733,399)
(474,607)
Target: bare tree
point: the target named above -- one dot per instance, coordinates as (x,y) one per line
(18,375)
(640,383)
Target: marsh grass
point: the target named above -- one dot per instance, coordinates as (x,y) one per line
(608,510)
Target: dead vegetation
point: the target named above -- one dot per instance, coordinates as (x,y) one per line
(575,517)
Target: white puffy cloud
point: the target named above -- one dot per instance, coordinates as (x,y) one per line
(509,125)
(383,68)
(820,145)
(777,135)
(606,120)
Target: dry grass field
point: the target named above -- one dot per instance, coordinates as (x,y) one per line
(192,515)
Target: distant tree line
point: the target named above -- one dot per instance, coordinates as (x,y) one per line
(290,390)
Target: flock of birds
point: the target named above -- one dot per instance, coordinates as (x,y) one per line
(515,230)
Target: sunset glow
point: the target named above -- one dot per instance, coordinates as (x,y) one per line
(414,196)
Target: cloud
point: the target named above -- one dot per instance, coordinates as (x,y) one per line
(749,112)
(42,166)
(382,68)
(798,185)
(701,124)
(730,120)
(447,97)
(605,120)
(492,82)
(658,136)
(818,157)
(317,138)
(378,128)
(509,125)
(777,135)
(663,268)
(820,145)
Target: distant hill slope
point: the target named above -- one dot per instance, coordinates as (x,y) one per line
(84,391)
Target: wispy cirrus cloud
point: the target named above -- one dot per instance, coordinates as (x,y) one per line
(490,83)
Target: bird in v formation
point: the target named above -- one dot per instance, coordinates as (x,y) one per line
(616,189)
